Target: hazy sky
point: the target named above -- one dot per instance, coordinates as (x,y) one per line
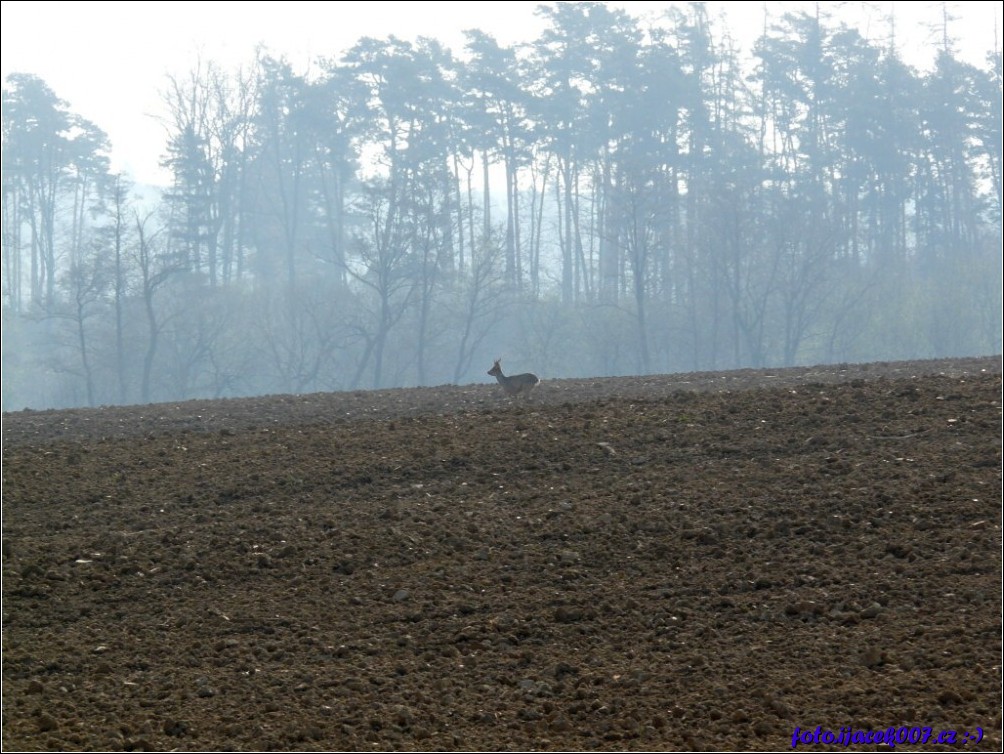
(109,60)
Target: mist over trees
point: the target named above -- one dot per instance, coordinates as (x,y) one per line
(609,198)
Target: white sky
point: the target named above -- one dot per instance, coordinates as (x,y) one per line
(109,60)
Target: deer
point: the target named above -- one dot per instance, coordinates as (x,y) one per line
(515,385)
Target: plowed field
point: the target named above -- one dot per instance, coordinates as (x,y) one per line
(696,561)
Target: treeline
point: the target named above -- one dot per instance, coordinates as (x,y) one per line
(609,198)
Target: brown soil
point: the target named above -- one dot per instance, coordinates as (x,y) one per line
(701,561)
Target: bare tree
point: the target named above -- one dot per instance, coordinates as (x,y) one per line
(211,120)
(384,269)
(155,269)
(480,301)
(87,281)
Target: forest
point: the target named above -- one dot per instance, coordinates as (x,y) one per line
(611,198)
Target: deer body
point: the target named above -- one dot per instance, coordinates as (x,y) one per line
(515,385)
